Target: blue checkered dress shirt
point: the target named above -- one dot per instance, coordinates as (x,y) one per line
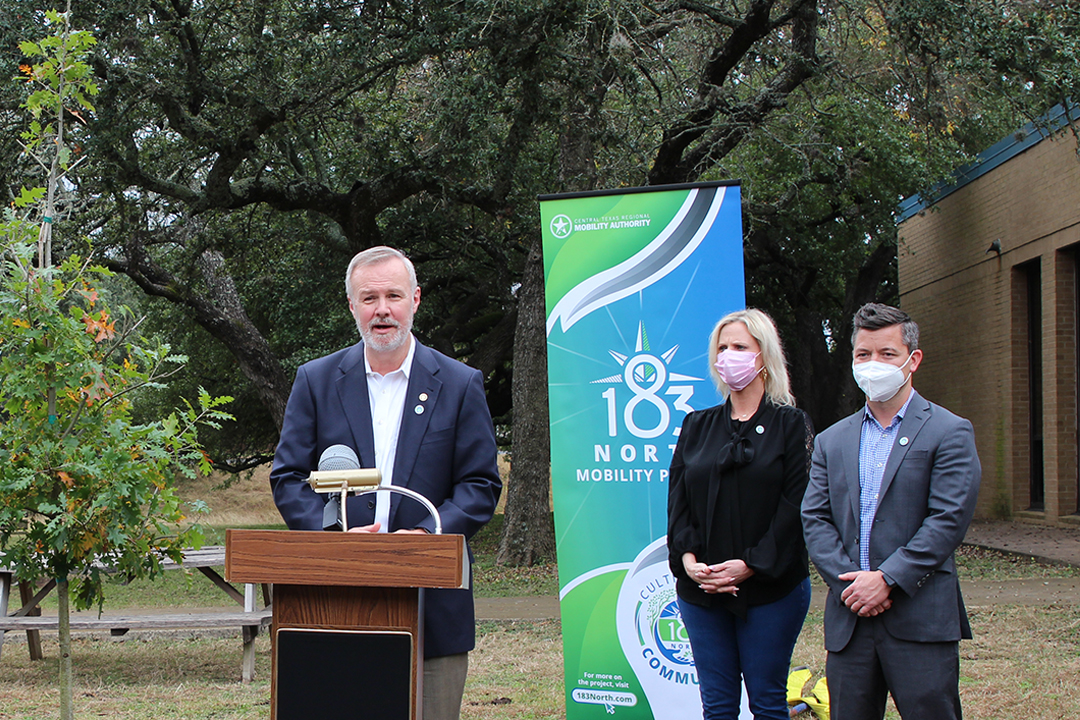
(875,444)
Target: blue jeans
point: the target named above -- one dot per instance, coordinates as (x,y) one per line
(757,650)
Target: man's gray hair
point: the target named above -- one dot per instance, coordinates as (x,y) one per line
(374,256)
(875,316)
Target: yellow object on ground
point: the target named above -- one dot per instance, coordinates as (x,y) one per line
(817,701)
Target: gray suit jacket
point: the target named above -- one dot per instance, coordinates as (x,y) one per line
(927,499)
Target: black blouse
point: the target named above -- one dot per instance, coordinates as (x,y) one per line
(735,493)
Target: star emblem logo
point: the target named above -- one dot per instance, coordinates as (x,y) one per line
(561,226)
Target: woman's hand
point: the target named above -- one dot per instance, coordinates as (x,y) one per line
(715,579)
(736,570)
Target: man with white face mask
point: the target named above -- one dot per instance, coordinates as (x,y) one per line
(892,492)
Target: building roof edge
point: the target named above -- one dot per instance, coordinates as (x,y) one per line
(998,154)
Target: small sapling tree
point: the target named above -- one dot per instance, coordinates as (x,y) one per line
(85,490)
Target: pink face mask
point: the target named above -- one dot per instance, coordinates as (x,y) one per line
(737,368)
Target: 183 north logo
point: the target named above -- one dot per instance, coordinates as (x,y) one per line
(668,632)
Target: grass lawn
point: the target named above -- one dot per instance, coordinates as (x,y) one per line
(1022,665)
(1024,662)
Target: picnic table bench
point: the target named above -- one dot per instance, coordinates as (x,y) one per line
(29,618)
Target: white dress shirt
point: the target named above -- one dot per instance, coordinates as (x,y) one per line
(386,394)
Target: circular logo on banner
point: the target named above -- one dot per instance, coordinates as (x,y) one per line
(670,636)
(653,637)
(561,226)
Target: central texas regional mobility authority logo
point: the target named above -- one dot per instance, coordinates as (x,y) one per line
(561,226)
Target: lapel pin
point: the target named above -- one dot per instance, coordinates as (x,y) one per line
(760,430)
(904,441)
(419,409)
(423,397)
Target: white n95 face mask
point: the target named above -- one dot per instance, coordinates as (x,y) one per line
(880,381)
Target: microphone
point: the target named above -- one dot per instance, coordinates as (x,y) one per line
(336,457)
(339,457)
(340,472)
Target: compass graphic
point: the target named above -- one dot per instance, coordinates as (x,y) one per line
(646,375)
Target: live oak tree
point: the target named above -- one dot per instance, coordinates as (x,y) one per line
(245,150)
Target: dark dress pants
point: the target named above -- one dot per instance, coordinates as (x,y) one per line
(922,677)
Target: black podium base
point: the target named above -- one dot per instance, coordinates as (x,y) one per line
(343,674)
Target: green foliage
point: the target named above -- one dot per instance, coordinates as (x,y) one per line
(283,138)
(54,50)
(60,79)
(84,489)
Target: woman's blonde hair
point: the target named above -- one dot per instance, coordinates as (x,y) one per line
(763,329)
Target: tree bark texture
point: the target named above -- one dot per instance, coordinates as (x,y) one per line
(67,692)
(219,310)
(528,533)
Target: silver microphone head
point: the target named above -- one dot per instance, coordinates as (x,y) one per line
(338,457)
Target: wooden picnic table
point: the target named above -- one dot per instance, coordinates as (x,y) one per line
(206,560)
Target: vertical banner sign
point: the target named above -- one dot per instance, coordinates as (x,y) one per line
(635,281)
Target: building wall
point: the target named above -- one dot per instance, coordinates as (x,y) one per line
(972,307)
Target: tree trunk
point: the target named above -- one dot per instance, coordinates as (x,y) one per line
(220,312)
(225,318)
(63,597)
(528,533)
(820,379)
(821,375)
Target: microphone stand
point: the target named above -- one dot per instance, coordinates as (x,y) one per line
(432,510)
(365,482)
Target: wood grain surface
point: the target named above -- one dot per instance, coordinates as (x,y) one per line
(297,557)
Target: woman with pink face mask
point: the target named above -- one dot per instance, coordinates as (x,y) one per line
(735,538)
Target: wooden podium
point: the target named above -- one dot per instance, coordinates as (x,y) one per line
(347,633)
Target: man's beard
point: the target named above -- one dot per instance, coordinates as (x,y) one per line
(385,343)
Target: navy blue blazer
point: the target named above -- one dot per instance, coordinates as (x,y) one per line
(927,499)
(446,452)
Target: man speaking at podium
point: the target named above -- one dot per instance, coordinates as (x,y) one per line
(418,416)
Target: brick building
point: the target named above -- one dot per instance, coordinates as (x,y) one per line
(990,272)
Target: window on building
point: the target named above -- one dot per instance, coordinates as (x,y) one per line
(1031,277)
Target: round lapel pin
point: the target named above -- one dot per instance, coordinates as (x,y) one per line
(419,409)
(904,441)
